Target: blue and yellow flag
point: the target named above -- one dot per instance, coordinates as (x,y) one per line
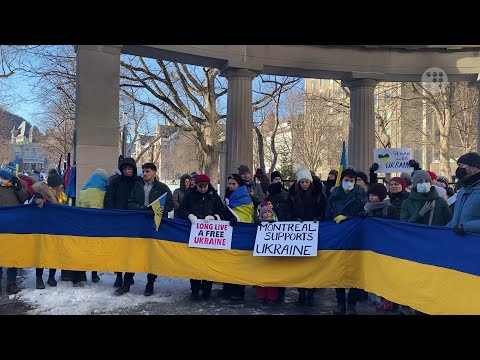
(157,207)
(343,163)
(241,205)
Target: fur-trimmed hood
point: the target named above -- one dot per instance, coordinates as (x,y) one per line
(44,190)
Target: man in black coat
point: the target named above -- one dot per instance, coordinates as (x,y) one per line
(116,197)
(142,195)
(202,202)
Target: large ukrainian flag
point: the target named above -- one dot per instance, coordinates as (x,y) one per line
(241,205)
(429,268)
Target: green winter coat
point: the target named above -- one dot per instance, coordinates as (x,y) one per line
(415,201)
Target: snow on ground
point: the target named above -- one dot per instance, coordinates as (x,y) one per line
(99,298)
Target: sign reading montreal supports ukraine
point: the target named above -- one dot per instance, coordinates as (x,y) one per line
(212,235)
(393,160)
(289,238)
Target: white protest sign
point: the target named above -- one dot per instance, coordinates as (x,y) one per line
(393,160)
(286,238)
(212,235)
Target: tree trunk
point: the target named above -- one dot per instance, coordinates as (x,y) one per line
(211,165)
(261,149)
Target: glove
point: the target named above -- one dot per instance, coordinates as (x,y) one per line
(149,212)
(426,208)
(17,183)
(458,229)
(193,219)
(209,218)
(233,221)
(373,168)
(340,218)
(414,163)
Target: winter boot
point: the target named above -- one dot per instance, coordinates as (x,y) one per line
(12,289)
(302,298)
(206,294)
(340,309)
(194,296)
(149,289)
(118,281)
(125,288)
(51,281)
(95,277)
(310,293)
(352,309)
(40,285)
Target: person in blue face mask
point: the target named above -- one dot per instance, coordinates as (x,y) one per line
(424,205)
(345,201)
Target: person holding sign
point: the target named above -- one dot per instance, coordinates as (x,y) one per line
(202,202)
(306,202)
(141,196)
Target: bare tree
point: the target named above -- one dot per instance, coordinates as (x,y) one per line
(276,86)
(453,109)
(184,96)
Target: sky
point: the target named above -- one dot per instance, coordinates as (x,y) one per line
(99,298)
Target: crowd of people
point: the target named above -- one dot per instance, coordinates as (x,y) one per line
(420,197)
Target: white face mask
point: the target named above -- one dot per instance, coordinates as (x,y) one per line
(423,187)
(347,185)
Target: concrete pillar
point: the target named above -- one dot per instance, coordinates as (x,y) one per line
(239,135)
(97,110)
(361,139)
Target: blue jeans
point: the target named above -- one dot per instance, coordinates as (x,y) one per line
(11,275)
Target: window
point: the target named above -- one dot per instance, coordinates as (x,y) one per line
(388,115)
(322,83)
(388,132)
(312,84)
(341,93)
(331,81)
(330,93)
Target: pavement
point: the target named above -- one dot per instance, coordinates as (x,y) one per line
(324,303)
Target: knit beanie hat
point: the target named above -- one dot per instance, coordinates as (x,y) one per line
(362,176)
(420,175)
(274,189)
(304,174)
(432,175)
(202,178)
(443,179)
(243,169)
(349,172)
(274,175)
(400,181)
(54,179)
(378,189)
(266,206)
(472,159)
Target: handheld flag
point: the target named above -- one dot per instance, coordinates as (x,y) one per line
(157,207)
(343,163)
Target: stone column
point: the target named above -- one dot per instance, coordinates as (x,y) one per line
(239,135)
(97,110)
(361,139)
